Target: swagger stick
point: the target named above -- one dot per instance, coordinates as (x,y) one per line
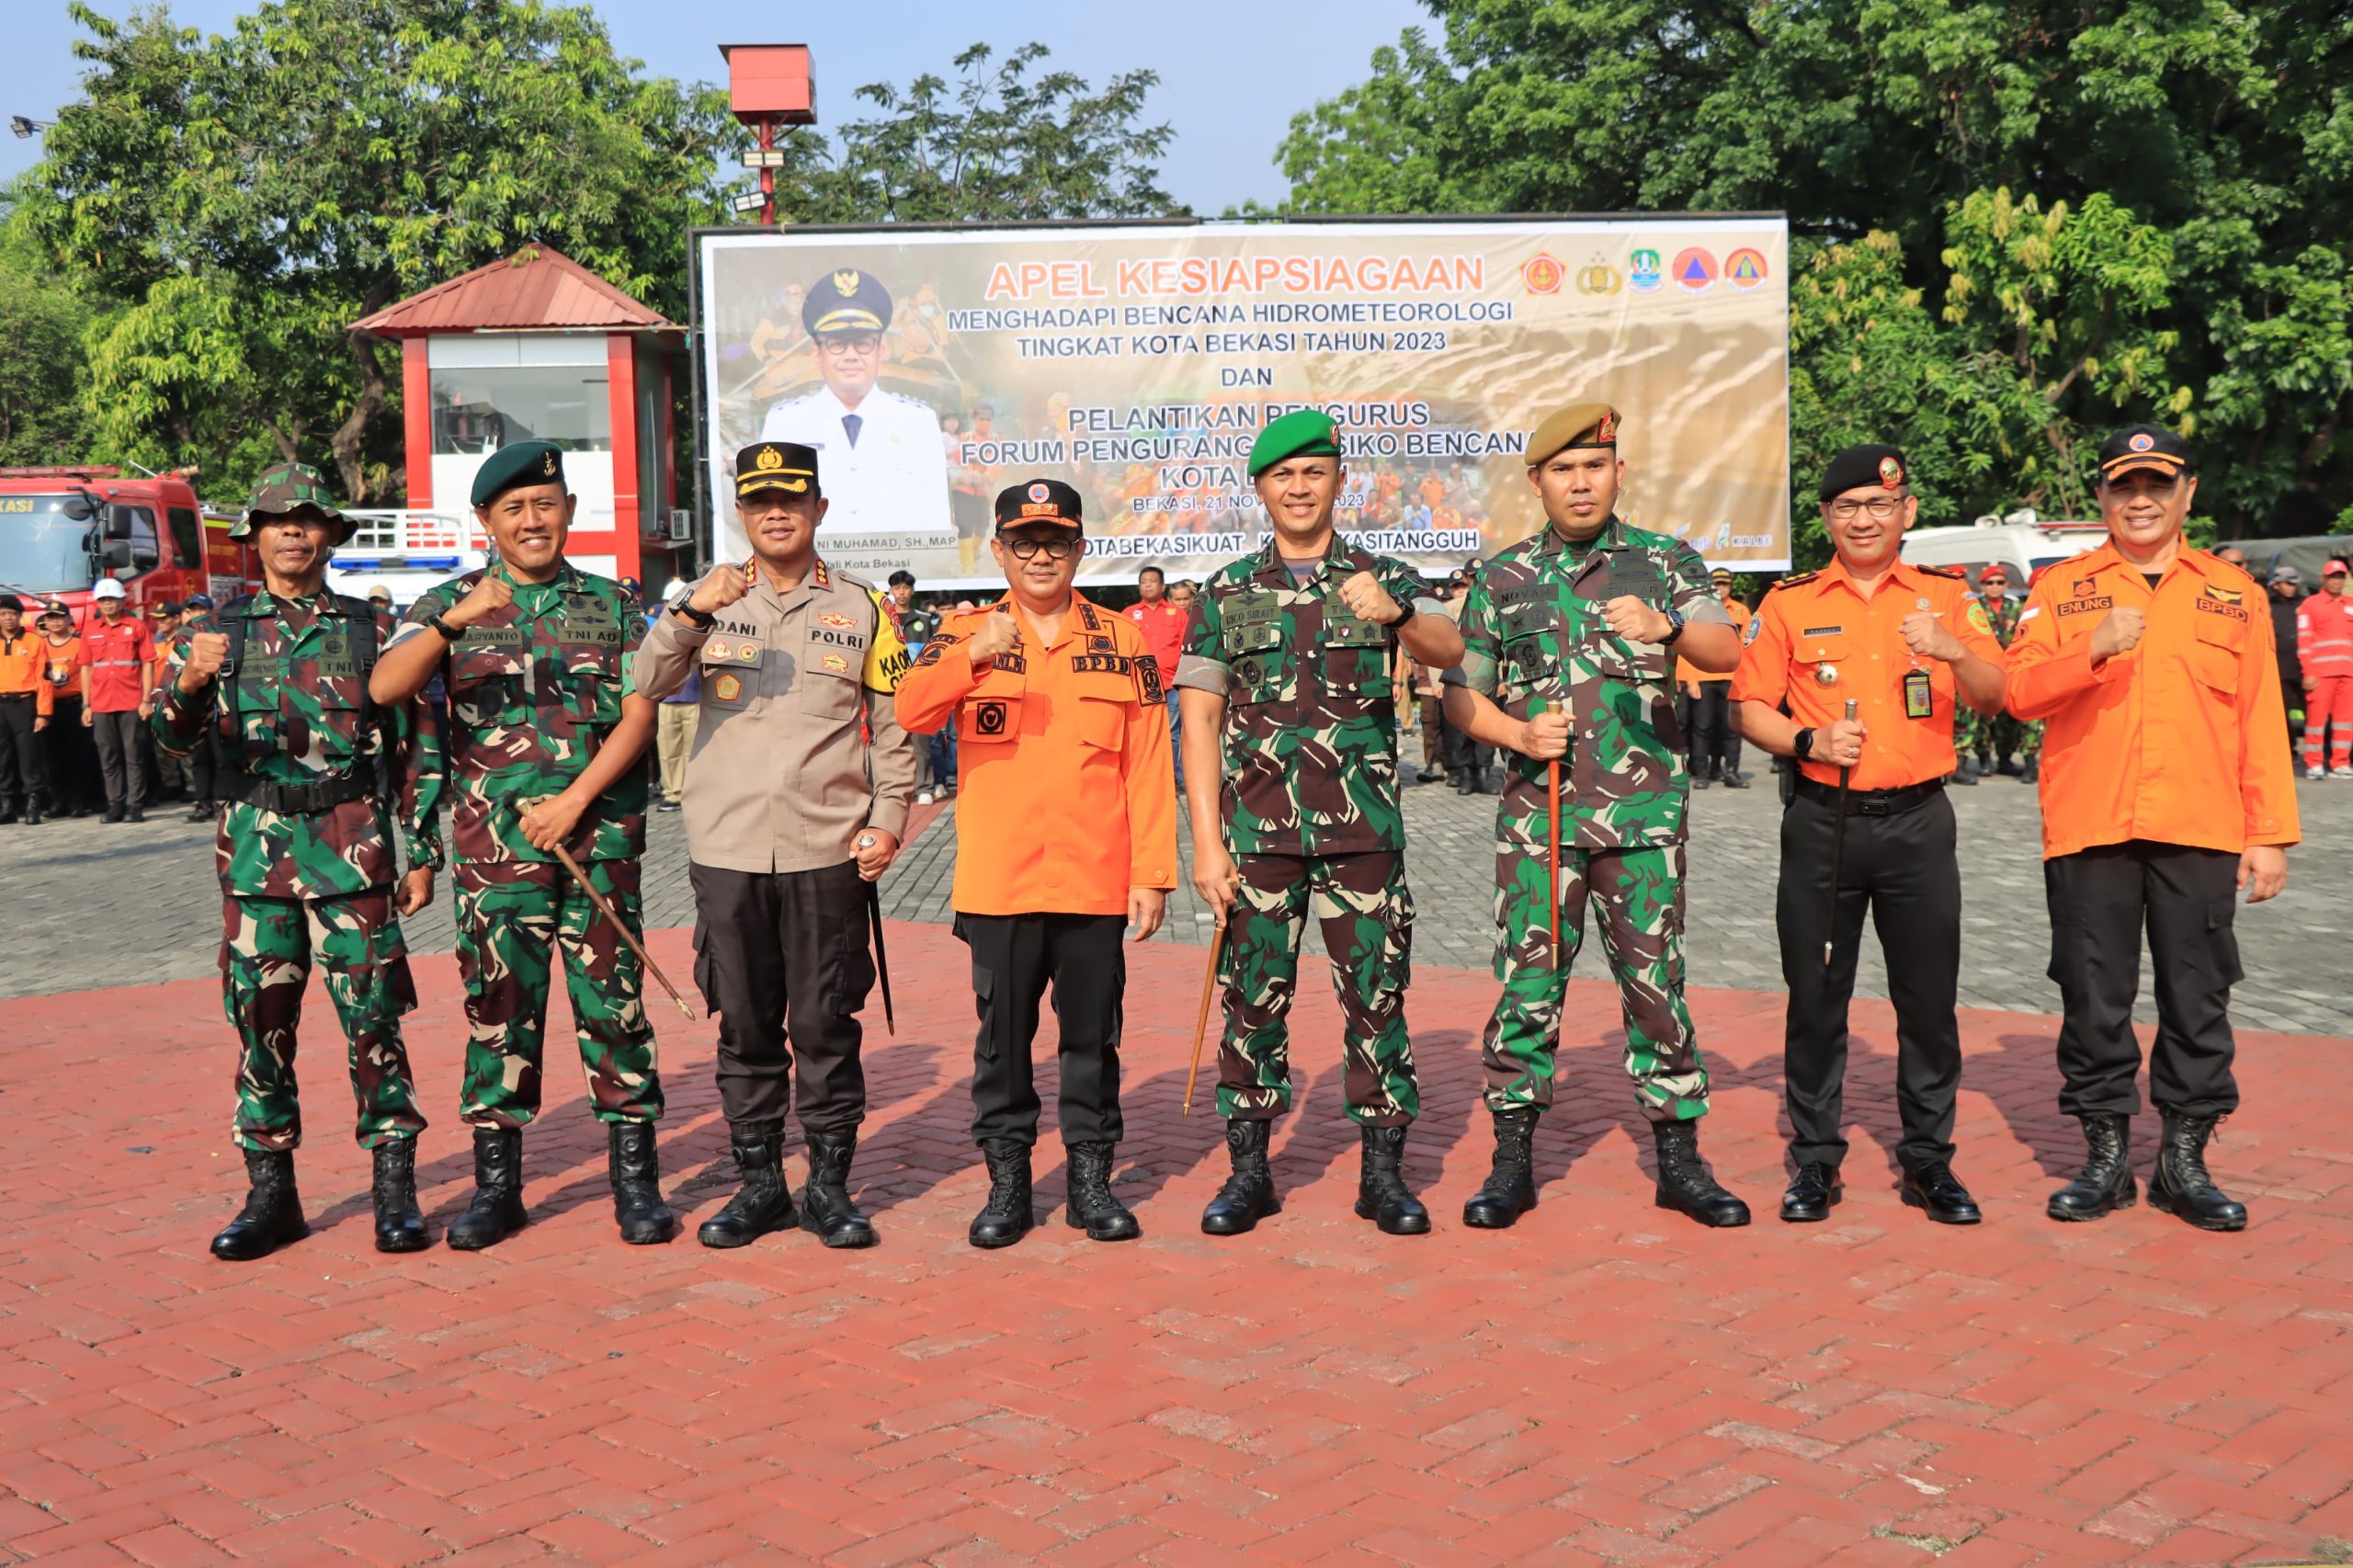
(882,959)
(1837,850)
(1552,789)
(1201,1019)
(608,910)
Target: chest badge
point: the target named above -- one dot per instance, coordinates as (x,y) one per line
(727,689)
(1826,675)
(836,664)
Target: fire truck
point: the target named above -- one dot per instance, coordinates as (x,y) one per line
(63,529)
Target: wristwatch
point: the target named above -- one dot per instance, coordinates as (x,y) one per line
(1803,747)
(1406,614)
(1673,629)
(700,619)
(449,633)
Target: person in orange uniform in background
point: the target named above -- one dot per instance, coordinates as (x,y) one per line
(2325,655)
(1163,619)
(118,694)
(2167,786)
(1908,645)
(25,706)
(1065,832)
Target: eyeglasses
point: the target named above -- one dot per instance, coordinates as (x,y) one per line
(1025,547)
(1880,507)
(849,342)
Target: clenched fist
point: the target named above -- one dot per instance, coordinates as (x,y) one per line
(1927,636)
(490,595)
(1635,620)
(721,589)
(1369,600)
(1544,737)
(1839,742)
(2118,632)
(999,633)
(207,652)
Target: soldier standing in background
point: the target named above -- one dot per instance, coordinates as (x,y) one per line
(304,852)
(1292,728)
(1985,737)
(1714,738)
(1570,640)
(546,746)
(795,811)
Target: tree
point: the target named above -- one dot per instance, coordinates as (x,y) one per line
(41,366)
(251,195)
(2221,135)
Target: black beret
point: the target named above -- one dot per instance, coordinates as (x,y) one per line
(2143,445)
(517,464)
(1038,501)
(1882,467)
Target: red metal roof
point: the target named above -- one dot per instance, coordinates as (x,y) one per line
(536,288)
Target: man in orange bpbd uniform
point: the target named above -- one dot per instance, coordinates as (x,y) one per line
(1065,832)
(1907,645)
(2166,788)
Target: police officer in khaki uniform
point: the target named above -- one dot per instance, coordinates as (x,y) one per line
(790,812)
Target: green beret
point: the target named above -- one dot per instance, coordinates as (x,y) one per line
(1307,433)
(518,462)
(1579,425)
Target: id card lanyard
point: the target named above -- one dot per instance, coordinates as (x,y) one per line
(1919,701)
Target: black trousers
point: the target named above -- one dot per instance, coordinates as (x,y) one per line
(2101,899)
(1458,750)
(1015,957)
(1713,738)
(1903,869)
(21,771)
(204,767)
(778,948)
(72,759)
(120,760)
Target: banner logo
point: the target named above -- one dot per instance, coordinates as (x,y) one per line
(1745,268)
(1541,274)
(1694,269)
(1643,272)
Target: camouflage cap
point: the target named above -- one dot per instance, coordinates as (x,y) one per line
(291,487)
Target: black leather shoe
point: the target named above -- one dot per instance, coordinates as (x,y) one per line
(2180,1186)
(1381,1197)
(2106,1183)
(203,811)
(1814,1191)
(399,1227)
(32,811)
(1684,1184)
(1701,781)
(762,1204)
(496,1210)
(114,813)
(273,1212)
(826,1212)
(1091,1207)
(1009,1213)
(1734,779)
(1429,776)
(1967,772)
(1463,783)
(1248,1194)
(2032,771)
(1510,1189)
(135,815)
(1937,1191)
(636,1173)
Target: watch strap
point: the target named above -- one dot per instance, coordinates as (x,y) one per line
(449,633)
(1803,747)
(700,619)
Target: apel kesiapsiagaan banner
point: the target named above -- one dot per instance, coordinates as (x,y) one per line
(931,367)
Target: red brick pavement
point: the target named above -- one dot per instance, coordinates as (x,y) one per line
(1606,1383)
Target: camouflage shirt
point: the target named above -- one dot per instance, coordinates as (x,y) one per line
(1533,633)
(2003,614)
(1311,727)
(297,713)
(534,691)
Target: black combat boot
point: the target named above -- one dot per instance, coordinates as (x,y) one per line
(2032,771)
(1511,1180)
(1967,772)
(496,1210)
(826,1212)
(2106,1181)
(7,810)
(399,1227)
(273,1212)
(1009,1214)
(2180,1186)
(636,1172)
(1381,1197)
(1092,1208)
(32,808)
(762,1204)
(1684,1184)
(1248,1194)
(1487,785)
(203,811)
(1463,782)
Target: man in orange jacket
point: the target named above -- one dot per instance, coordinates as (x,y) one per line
(1065,832)
(2166,788)
(2325,655)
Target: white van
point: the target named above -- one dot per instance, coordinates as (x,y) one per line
(2021,541)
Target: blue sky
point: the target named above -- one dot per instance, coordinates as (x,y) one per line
(1232,72)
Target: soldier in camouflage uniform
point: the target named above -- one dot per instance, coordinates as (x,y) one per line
(546,749)
(304,852)
(1983,737)
(1570,638)
(1293,734)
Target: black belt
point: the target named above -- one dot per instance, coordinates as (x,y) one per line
(28,696)
(305,800)
(1874,803)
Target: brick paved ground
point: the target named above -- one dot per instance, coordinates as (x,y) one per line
(129,904)
(1604,1384)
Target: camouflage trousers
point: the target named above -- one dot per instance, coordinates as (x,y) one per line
(1366,913)
(1989,735)
(513,918)
(1637,895)
(268,947)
